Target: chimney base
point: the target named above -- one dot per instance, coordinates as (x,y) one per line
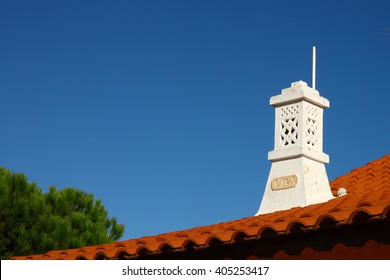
(295,182)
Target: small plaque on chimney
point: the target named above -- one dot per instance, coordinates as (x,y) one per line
(285,182)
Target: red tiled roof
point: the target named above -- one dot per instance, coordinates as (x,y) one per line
(367,199)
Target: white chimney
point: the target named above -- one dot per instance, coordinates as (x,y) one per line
(298,176)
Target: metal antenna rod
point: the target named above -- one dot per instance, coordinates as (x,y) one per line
(313,79)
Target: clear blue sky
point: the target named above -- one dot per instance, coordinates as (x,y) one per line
(161,108)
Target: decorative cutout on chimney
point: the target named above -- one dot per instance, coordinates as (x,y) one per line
(289,131)
(312,120)
(311,132)
(289,125)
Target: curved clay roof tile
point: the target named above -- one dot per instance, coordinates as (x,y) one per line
(188,245)
(360,215)
(239,236)
(165,247)
(213,241)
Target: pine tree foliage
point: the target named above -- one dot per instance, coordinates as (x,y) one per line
(33,223)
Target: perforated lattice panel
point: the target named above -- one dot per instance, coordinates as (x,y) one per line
(288,111)
(289,125)
(311,132)
(312,112)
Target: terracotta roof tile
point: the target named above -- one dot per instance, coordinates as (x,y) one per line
(367,198)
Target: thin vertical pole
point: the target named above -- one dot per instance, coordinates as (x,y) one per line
(313,79)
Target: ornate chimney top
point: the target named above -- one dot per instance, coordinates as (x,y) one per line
(298,176)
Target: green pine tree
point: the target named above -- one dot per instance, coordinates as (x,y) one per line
(33,223)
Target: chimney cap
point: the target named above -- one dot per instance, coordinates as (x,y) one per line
(299,91)
(298,83)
